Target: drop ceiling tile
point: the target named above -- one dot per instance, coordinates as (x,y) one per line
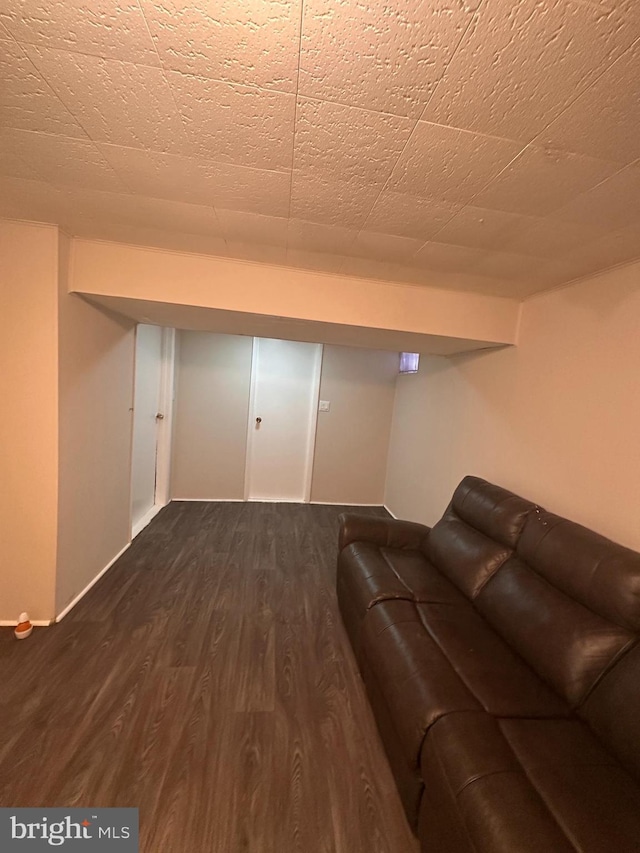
(249,43)
(116,102)
(35,201)
(236,124)
(376,55)
(258,252)
(319,261)
(603,122)
(548,238)
(385,247)
(410,216)
(157,175)
(368,268)
(449,164)
(141,212)
(11,162)
(198,181)
(345,143)
(443,257)
(521,64)
(101,28)
(316,237)
(252,190)
(158,238)
(612,204)
(614,249)
(331,202)
(541,180)
(4,32)
(481,228)
(240,227)
(505,265)
(59,160)
(26,101)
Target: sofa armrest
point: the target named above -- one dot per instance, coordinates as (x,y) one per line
(384,532)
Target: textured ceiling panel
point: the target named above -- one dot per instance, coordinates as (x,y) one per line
(65,161)
(613,204)
(523,62)
(604,121)
(453,165)
(385,247)
(241,227)
(394,54)
(236,124)
(325,239)
(540,180)
(338,142)
(410,216)
(27,101)
(113,101)
(481,228)
(329,202)
(99,27)
(246,43)
(479,145)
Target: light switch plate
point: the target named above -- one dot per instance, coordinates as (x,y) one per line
(324,406)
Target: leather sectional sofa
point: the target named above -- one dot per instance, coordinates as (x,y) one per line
(500,654)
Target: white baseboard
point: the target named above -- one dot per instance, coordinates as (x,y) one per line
(146,519)
(211,500)
(91,583)
(342,503)
(392,514)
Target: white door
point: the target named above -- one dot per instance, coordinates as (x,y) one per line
(285,381)
(146,405)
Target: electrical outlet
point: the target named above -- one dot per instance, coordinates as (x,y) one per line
(324,406)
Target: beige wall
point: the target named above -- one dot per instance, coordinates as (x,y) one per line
(95,395)
(210,426)
(352,438)
(555,419)
(29,422)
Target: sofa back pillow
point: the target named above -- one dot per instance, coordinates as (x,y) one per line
(569,603)
(477,534)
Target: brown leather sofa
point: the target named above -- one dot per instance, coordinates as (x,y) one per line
(500,654)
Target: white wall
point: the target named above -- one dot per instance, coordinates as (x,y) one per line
(352,439)
(210,427)
(555,419)
(212,401)
(95,370)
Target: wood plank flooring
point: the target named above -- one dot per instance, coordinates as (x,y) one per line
(208,680)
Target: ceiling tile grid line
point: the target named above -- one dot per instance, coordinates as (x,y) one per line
(295,115)
(186,130)
(463,34)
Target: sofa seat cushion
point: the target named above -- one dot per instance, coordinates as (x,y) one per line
(502,681)
(494,786)
(423,671)
(368,573)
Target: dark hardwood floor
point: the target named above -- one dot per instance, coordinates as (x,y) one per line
(208,680)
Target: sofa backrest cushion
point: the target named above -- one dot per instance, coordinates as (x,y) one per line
(567,644)
(477,533)
(569,603)
(593,570)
